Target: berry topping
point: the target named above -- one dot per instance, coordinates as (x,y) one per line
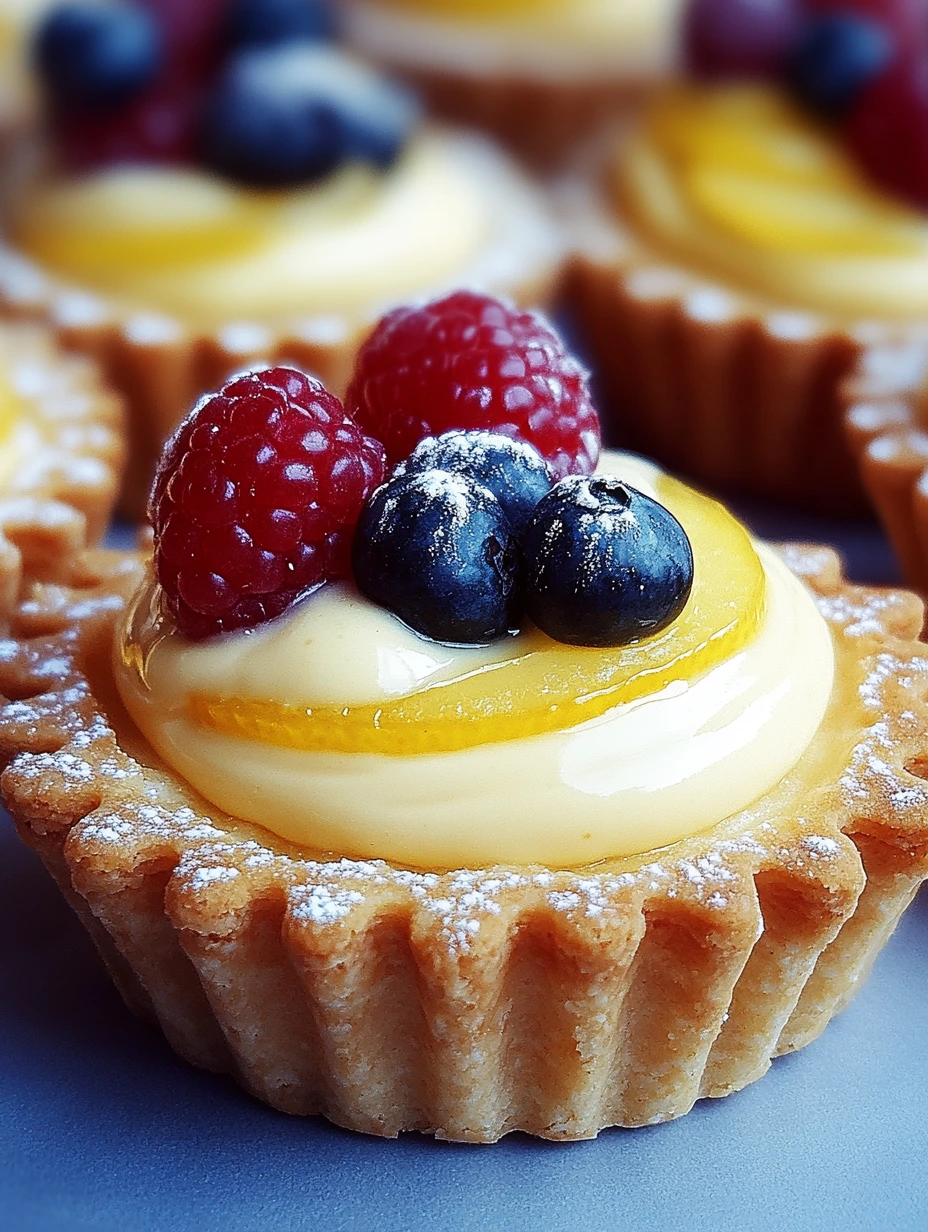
(514,471)
(437,550)
(836,56)
(739,38)
(159,127)
(97,54)
(887,130)
(470,361)
(289,114)
(604,564)
(255,500)
(262,23)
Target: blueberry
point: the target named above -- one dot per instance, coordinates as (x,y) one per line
(263,23)
(437,550)
(290,114)
(514,471)
(604,564)
(836,56)
(97,54)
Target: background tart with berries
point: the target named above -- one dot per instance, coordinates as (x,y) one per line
(886,415)
(756,229)
(500,795)
(222,187)
(541,74)
(61,452)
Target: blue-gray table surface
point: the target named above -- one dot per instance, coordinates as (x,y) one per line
(101,1127)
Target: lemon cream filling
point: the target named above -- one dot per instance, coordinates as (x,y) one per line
(643,773)
(188,244)
(737,182)
(548,38)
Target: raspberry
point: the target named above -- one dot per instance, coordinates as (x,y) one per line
(469,361)
(888,131)
(255,500)
(159,127)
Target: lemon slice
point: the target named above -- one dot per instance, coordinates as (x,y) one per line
(547,686)
(816,219)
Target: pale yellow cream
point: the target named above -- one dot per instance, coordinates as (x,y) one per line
(643,775)
(739,184)
(182,242)
(551,38)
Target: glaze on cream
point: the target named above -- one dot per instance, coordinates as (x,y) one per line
(641,776)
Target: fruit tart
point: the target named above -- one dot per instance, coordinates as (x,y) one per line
(885,419)
(755,230)
(61,451)
(541,74)
(223,183)
(476,791)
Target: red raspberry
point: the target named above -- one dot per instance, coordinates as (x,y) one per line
(255,500)
(469,361)
(159,127)
(888,131)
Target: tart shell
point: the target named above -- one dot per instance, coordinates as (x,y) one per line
(472,1003)
(58,498)
(885,420)
(161,365)
(740,394)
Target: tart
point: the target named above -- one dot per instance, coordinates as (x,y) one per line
(62,449)
(176,263)
(739,250)
(539,74)
(504,794)
(544,984)
(885,422)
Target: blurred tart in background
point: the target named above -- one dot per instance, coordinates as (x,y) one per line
(752,233)
(217,192)
(61,453)
(541,74)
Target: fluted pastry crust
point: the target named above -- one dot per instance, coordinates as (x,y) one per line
(472,1003)
(56,500)
(739,393)
(885,402)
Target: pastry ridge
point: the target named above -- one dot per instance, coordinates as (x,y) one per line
(472,1003)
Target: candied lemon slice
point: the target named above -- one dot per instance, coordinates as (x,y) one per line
(546,686)
(752,165)
(801,218)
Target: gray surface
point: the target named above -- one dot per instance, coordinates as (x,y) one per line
(101,1127)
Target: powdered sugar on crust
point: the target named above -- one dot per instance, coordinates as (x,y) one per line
(69,769)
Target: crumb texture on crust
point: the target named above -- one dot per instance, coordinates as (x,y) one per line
(472,1003)
(885,401)
(57,499)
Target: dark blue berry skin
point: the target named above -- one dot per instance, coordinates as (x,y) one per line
(288,115)
(605,565)
(95,55)
(437,551)
(264,23)
(836,56)
(514,471)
